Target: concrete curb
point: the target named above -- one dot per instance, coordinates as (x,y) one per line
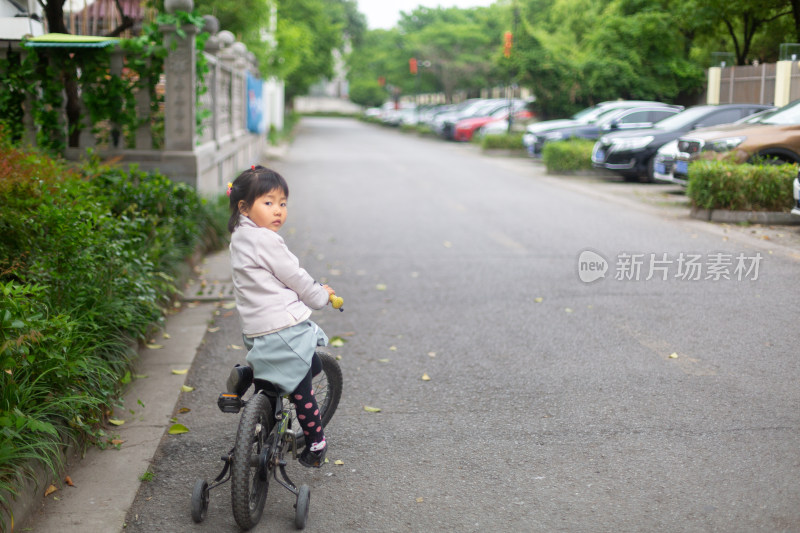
(105,482)
(753,217)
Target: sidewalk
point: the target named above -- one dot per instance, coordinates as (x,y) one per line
(105,482)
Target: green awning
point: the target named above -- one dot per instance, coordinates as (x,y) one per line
(66,40)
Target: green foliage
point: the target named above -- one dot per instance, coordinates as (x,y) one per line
(367,93)
(568,156)
(506,141)
(741,187)
(88,260)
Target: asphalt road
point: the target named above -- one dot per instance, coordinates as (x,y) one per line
(553,404)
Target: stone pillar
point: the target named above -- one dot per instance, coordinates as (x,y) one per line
(714,79)
(783,83)
(144,132)
(180,131)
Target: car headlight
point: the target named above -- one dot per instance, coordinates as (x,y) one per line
(529,139)
(725,145)
(630,143)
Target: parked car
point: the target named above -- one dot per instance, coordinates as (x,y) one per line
(465,128)
(632,153)
(666,156)
(624,119)
(533,139)
(481,109)
(796,208)
(774,137)
(457,112)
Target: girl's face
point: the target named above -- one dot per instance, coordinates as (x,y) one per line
(268,211)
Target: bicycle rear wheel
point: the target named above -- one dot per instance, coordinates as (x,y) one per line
(327,387)
(249,471)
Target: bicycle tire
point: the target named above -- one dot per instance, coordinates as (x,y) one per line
(327,386)
(249,480)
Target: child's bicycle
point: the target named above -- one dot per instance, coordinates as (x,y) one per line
(268,429)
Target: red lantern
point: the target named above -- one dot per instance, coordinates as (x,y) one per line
(508,39)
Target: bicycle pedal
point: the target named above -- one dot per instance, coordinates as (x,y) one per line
(229,403)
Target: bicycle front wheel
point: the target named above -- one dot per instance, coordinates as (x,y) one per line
(327,387)
(250,471)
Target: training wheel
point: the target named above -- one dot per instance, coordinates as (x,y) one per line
(200,500)
(301,507)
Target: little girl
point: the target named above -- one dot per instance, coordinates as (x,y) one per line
(274,297)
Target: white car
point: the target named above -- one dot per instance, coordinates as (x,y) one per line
(796,208)
(665,161)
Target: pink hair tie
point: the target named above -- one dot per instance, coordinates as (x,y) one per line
(230,186)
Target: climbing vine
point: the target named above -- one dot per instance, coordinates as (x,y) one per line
(109,98)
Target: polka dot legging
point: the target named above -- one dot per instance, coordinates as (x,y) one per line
(305,404)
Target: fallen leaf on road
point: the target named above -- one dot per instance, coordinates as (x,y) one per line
(384,360)
(337,341)
(447,244)
(420,500)
(538,300)
(369,409)
(393,348)
(426,377)
(229,305)
(50,490)
(154,346)
(177,429)
(380,287)
(184,410)
(568,310)
(338,462)
(117,442)
(235,347)
(213,330)
(673,355)
(338,357)
(186,388)
(68,481)
(180,372)
(431,354)
(166,335)
(115,421)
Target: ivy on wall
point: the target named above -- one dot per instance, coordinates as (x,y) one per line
(34,78)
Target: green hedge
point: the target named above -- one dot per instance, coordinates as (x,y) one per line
(88,262)
(506,141)
(741,187)
(568,156)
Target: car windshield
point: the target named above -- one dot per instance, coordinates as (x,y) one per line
(590,114)
(788,114)
(684,118)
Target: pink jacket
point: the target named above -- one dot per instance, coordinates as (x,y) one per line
(272,291)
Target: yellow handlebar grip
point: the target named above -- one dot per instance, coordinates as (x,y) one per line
(337,302)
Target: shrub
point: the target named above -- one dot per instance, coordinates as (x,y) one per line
(88,261)
(568,156)
(741,187)
(508,141)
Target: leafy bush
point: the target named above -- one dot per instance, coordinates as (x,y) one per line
(741,187)
(88,261)
(568,156)
(512,141)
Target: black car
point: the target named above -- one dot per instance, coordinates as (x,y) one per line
(625,119)
(632,154)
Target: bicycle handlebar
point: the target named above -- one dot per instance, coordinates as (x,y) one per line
(337,302)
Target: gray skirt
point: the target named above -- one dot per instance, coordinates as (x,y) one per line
(284,358)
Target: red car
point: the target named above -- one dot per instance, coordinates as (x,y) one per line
(466,128)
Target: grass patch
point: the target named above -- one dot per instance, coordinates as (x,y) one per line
(741,187)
